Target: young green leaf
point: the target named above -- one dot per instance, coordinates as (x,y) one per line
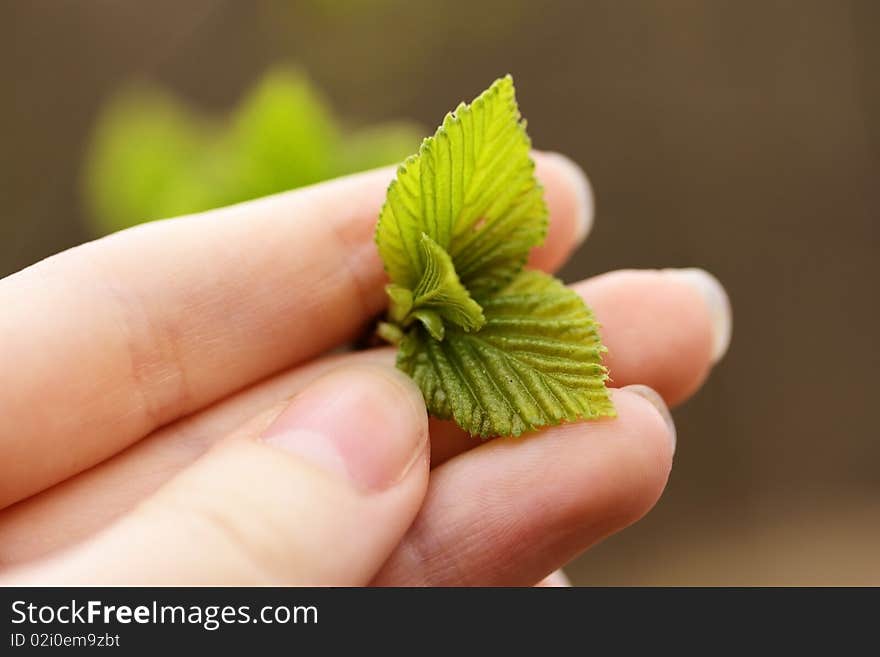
(498,349)
(537,361)
(472,190)
(438,296)
(152,156)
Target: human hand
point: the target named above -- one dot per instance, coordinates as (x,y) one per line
(147,437)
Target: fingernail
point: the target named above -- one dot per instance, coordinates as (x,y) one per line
(556,579)
(657,402)
(717,301)
(585,208)
(367,424)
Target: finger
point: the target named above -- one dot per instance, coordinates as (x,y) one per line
(317,495)
(118,337)
(571,207)
(664,329)
(659,328)
(77,508)
(510,512)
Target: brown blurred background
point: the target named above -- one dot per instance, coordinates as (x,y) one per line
(739,137)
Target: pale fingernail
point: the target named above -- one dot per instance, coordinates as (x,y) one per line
(717,301)
(556,579)
(657,402)
(585,208)
(365,423)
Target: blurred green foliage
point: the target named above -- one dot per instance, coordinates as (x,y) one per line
(151,156)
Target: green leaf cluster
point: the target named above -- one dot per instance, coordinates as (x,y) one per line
(151,156)
(499,349)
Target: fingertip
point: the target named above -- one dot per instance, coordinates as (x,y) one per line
(512,510)
(570,204)
(366,422)
(657,327)
(649,439)
(381,384)
(578,184)
(659,405)
(717,304)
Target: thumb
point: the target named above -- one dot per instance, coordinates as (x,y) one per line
(318,494)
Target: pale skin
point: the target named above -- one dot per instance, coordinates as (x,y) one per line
(172,412)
